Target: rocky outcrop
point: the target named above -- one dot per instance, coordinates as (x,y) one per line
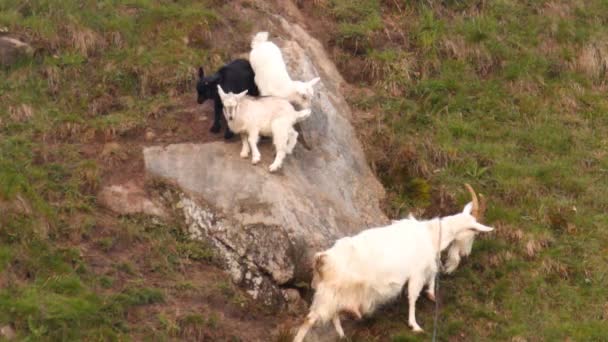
(267,226)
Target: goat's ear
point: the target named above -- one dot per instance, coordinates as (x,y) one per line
(241,94)
(201,72)
(314,81)
(221,91)
(468,208)
(481,228)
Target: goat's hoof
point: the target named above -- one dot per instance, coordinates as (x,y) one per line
(273,168)
(228,135)
(417,330)
(255,160)
(215,128)
(448,269)
(244,155)
(430,296)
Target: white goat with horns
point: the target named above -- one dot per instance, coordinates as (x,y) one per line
(462,246)
(269,116)
(360,273)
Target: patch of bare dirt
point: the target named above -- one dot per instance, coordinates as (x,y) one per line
(200,299)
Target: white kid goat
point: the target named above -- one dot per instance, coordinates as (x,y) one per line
(271,75)
(269,116)
(360,273)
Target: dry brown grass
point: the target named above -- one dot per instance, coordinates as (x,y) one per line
(20,113)
(115,39)
(508,232)
(89,176)
(554,267)
(500,258)
(113,154)
(86,41)
(593,61)
(535,245)
(104,105)
(518,339)
(52,75)
(456,47)
(524,86)
(558,9)
(17,205)
(382,72)
(68,131)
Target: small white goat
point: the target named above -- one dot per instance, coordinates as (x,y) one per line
(268,116)
(360,273)
(271,74)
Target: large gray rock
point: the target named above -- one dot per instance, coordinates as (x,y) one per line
(267,226)
(12,49)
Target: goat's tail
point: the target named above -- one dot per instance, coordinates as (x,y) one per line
(260,37)
(303,114)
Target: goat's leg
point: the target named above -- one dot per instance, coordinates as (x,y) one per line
(414,286)
(292,140)
(338,325)
(245,149)
(253,138)
(308,323)
(280,138)
(217,116)
(453,258)
(430,292)
(278,160)
(354,312)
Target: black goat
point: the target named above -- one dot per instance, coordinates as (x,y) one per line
(234,77)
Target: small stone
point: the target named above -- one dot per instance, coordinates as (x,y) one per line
(291,295)
(7,332)
(150,135)
(128,198)
(295,303)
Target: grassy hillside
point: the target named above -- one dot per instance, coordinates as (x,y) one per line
(511,97)
(107,77)
(507,95)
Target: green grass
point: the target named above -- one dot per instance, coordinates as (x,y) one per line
(100,68)
(495,95)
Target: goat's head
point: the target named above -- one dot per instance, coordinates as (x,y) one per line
(464,225)
(304,93)
(205,87)
(231,102)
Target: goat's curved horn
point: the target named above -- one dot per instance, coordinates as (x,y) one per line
(475,210)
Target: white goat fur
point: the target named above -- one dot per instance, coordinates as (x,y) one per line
(361,272)
(271,74)
(269,116)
